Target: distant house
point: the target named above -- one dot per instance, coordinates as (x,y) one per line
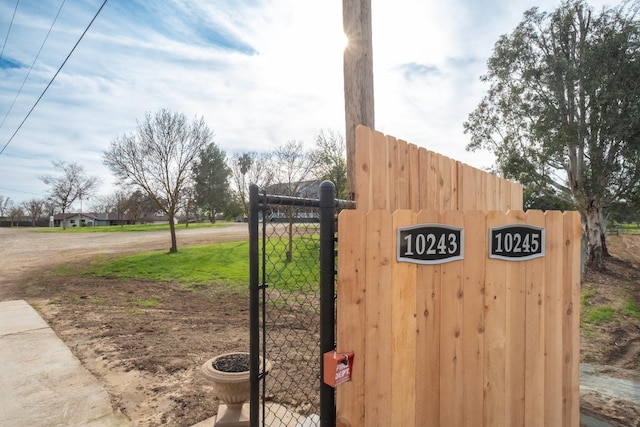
(304,189)
(75,220)
(112,218)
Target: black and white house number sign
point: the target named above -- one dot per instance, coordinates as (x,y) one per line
(430,243)
(516,242)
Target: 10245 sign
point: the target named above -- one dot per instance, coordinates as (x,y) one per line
(516,242)
(430,243)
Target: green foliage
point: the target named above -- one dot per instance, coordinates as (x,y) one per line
(211,178)
(562,113)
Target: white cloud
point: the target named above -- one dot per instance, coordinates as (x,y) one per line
(260,72)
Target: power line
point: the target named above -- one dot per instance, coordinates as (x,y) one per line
(32,64)
(9,30)
(19,191)
(53,78)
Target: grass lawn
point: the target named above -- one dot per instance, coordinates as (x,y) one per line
(197,266)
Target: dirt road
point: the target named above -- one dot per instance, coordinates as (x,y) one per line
(23,250)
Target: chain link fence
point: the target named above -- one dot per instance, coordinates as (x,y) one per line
(293,308)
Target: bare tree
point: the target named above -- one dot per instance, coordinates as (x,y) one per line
(330,156)
(5,206)
(136,205)
(70,185)
(34,209)
(294,167)
(16,214)
(158,159)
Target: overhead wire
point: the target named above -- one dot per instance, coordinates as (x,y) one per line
(9,30)
(54,77)
(32,64)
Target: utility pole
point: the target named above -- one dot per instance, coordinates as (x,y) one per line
(358,77)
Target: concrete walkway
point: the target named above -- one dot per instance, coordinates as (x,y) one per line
(41,381)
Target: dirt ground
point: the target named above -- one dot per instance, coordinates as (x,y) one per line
(146,340)
(147,356)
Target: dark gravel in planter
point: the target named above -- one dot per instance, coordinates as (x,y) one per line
(232,363)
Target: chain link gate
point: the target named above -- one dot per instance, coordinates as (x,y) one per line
(292,298)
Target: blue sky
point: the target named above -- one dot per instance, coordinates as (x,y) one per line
(260,72)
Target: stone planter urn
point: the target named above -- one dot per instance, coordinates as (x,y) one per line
(229,375)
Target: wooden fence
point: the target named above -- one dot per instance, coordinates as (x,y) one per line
(473,342)
(393,174)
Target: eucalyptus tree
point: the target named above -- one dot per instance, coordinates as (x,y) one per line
(158,159)
(562,113)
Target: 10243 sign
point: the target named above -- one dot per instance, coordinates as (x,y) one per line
(430,243)
(516,242)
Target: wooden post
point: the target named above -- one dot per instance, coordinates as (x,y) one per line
(358,77)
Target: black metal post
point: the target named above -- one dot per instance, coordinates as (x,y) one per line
(254,306)
(327,297)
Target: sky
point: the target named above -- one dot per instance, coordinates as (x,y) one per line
(260,72)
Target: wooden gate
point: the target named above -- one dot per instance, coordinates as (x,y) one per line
(475,341)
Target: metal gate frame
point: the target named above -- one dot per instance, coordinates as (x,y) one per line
(327,205)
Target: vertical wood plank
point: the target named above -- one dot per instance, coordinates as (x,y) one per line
(482,197)
(495,334)
(414,177)
(554,237)
(403,326)
(428,291)
(424,178)
(392,173)
(403,189)
(571,322)
(473,329)
(451,340)
(350,325)
(515,345)
(378,319)
(379,178)
(363,168)
(534,332)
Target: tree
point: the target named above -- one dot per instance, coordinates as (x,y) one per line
(5,206)
(294,167)
(250,168)
(158,159)
(137,205)
(16,214)
(34,208)
(211,181)
(562,113)
(330,159)
(71,185)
